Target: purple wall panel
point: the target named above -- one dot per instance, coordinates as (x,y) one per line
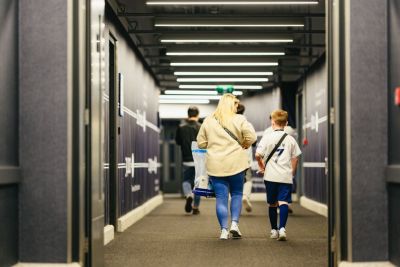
(315,129)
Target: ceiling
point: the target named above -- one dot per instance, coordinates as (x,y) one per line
(216,34)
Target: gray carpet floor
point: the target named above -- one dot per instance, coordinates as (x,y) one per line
(169,237)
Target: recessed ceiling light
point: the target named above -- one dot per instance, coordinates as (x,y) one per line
(222,80)
(196,92)
(225,73)
(224,64)
(197,3)
(225,53)
(226,40)
(184,101)
(208,86)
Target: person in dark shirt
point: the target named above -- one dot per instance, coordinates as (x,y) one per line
(185,134)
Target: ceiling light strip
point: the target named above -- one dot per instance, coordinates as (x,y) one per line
(227,41)
(224,64)
(201,3)
(222,79)
(209,97)
(184,101)
(208,86)
(225,53)
(225,73)
(228,25)
(196,92)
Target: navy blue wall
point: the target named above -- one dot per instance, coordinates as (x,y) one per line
(139,133)
(315,123)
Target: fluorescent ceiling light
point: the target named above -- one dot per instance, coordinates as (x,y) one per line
(222,80)
(207,86)
(224,64)
(184,101)
(196,92)
(202,3)
(225,73)
(227,41)
(225,54)
(210,97)
(225,25)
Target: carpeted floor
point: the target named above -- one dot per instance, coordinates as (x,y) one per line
(169,237)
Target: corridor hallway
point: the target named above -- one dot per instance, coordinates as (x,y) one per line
(169,237)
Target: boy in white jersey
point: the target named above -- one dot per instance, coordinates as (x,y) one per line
(279,170)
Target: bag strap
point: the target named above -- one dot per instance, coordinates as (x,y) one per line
(275,148)
(229,132)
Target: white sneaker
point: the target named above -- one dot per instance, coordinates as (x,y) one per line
(282,234)
(247,204)
(274,234)
(236,234)
(224,234)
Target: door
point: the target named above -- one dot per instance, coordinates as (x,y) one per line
(111,131)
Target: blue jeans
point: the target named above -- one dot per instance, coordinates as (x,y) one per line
(188,183)
(223,186)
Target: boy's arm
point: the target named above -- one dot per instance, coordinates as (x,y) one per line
(260,161)
(294,165)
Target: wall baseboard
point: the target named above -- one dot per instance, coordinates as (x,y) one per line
(108,234)
(135,215)
(314,206)
(366,264)
(27,264)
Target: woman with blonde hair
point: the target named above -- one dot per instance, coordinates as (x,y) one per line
(226,136)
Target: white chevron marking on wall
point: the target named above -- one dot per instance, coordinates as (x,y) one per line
(140,117)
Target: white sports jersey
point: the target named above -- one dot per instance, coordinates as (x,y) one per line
(279,167)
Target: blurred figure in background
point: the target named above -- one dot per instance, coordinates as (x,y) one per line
(226,136)
(248,185)
(185,134)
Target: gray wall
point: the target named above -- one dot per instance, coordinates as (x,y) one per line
(260,106)
(9,172)
(394,133)
(44,131)
(367,126)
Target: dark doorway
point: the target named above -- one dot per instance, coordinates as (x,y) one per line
(111,205)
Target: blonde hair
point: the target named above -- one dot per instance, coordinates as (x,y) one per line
(226,108)
(280,117)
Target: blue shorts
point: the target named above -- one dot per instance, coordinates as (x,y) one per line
(278,192)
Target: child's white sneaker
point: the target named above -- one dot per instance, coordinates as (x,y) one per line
(282,234)
(224,234)
(236,234)
(274,234)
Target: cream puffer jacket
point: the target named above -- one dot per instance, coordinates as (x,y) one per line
(225,156)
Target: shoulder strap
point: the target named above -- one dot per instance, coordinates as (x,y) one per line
(275,148)
(230,133)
